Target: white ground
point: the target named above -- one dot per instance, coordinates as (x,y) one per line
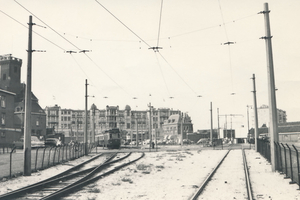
(173,175)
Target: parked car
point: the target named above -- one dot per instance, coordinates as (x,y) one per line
(35,142)
(53,142)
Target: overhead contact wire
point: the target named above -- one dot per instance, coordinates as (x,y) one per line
(159,22)
(32,31)
(162,74)
(74,46)
(230,64)
(48,25)
(176,72)
(123,23)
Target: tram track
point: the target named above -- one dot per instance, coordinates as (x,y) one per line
(63,180)
(209,185)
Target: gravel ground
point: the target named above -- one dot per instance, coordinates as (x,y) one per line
(175,174)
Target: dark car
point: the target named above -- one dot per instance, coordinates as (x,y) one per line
(53,142)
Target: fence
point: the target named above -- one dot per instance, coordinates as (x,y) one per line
(11,163)
(5,148)
(287,156)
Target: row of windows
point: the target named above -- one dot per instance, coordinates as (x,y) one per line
(66,112)
(65,118)
(3,101)
(3,118)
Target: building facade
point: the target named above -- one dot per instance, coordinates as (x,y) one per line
(172,127)
(264,118)
(13,98)
(132,123)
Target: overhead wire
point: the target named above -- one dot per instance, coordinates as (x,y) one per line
(176,72)
(159,22)
(160,68)
(145,41)
(47,25)
(74,46)
(229,50)
(32,31)
(122,23)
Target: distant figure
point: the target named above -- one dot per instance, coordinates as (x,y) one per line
(153,145)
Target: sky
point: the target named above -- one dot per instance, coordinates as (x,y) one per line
(192,70)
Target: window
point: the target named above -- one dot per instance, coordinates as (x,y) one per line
(3,118)
(2,101)
(2,134)
(37,122)
(128,125)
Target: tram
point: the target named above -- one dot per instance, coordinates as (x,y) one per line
(110,139)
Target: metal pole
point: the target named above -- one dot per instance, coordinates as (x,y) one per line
(27,121)
(150,126)
(93,128)
(291,165)
(181,142)
(85,139)
(271,83)
(218,125)
(255,113)
(248,137)
(298,167)
(211,123)
(137,132)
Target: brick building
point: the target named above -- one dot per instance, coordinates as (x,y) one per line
(13,98)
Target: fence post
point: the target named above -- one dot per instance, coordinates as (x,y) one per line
(54,156)
(43,158)
(291,164)
(298,167)
(280,157)
(36,157)
(59,154)
(62,155)
(49,156)
(10,160)
(285,163)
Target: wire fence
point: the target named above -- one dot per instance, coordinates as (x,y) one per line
(287,156)
(12,162)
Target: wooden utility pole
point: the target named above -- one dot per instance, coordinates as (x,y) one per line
(255,113)
(27,120)
(271,85)
(85,138)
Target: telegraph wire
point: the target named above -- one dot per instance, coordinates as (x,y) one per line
(123,23)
